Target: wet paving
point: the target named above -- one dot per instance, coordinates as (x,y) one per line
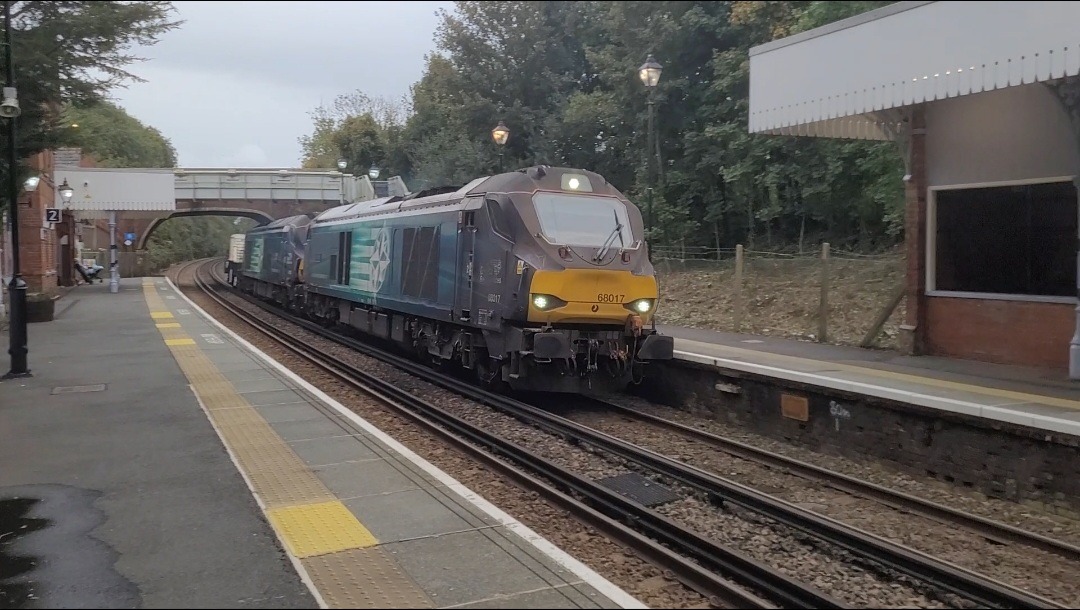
(16,588)
(48,555)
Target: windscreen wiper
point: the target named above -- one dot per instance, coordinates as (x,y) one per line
(616,232)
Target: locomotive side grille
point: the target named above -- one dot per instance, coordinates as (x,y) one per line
(420,253)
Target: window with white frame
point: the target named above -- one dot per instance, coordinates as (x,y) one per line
(1007,240)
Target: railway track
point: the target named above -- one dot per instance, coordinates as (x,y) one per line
(601,508)
(987,528)
(612,506)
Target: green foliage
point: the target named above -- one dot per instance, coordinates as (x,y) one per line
(562,75)
(73,52)
(115,138)
(364,131)
(191,237)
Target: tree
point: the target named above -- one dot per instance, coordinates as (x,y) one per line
(562,75)
(115,138)
(360,129)
(74,52)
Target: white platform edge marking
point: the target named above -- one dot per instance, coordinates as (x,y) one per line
(587,574)
(925,400)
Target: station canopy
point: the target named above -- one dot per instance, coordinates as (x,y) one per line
(854,78)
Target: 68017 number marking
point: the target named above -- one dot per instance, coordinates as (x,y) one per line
(607,297)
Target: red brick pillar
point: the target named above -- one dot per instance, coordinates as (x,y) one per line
(914,331)
(65,266)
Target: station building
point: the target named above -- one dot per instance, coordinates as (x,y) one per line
(983,100)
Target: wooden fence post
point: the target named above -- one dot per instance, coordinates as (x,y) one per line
(883,316)
(823,309)
(739,306)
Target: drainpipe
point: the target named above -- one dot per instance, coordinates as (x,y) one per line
(1067,91)
(1074,345)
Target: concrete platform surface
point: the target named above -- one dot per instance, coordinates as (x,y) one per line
(157,459)
(1038,398)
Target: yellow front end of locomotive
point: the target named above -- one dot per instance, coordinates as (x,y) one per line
(591,296)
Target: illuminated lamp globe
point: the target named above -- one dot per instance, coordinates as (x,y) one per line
(500,134)
(649,72)
(66,192)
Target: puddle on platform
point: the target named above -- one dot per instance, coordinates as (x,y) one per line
(16,572)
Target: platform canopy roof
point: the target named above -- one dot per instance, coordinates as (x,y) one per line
(853,78)
(98,191)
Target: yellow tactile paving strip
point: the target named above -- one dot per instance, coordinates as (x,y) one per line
(305,535)
(346,580)
(338,552)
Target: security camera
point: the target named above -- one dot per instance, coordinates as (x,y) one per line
(9,108)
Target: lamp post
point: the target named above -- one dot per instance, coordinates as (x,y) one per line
(373,171)
(341,165)
(649,73)
(66,193)
(9,109)
(500,134)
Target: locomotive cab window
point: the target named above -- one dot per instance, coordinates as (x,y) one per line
(583,220)
(498,219)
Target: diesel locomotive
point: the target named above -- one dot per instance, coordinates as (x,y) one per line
(537,279)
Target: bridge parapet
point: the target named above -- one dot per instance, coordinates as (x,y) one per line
(271,185)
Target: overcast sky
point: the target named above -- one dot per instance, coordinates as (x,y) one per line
(234,85)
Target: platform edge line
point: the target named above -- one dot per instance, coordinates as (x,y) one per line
(561,557)
(930,401)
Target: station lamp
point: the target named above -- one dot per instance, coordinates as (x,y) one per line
(649,73)
(66,192)
(500,135)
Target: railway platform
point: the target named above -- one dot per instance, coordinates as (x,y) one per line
(1034,398)
(156,459)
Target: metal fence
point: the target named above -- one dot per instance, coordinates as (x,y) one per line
(829,296)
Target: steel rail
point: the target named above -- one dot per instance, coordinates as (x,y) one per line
(988,528)
(604,509)
(934,571)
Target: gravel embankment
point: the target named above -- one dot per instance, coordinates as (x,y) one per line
(616,563)
(818,564)
(1008,563)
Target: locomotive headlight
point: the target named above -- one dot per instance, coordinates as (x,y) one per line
(640,305)
(576,182)
(544,302)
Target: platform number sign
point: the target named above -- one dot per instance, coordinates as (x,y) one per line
(52,214)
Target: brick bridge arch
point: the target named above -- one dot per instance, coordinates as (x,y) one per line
(262,212)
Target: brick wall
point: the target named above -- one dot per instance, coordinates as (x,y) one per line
(38,245)
(1001,460)
(1006,332)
